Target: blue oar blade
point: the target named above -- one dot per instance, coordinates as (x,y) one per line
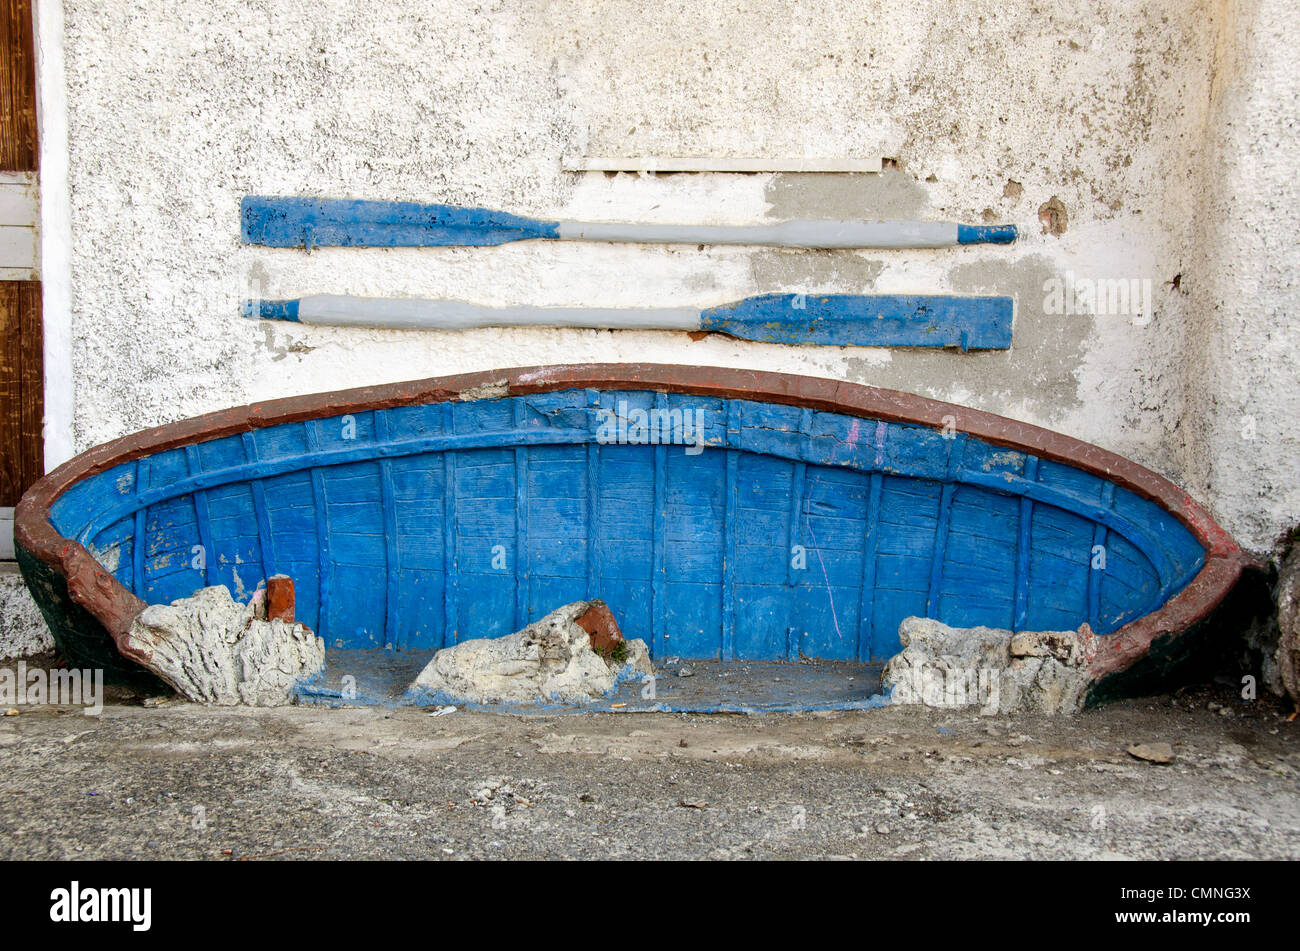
(346,223)
(893,320)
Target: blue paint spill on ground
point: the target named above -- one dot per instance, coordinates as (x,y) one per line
(381,677)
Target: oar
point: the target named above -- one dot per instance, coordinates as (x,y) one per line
(971,323)
(328,222)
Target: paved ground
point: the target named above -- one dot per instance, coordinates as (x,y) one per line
(182,781)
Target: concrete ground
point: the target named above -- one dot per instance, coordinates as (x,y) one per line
(184,781)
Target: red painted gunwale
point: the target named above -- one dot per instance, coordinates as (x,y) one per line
(116,607)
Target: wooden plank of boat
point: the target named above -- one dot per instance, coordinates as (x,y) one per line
(724,513)
(878,320)
(288,222)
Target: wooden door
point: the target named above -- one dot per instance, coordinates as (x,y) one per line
(21,375)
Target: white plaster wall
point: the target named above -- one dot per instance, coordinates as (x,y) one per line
(1243,450)
(1126,113)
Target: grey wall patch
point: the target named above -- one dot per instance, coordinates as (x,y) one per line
(891,194)
(778,272)
(1037,373)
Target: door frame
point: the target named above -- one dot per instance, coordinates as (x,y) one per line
(56,230)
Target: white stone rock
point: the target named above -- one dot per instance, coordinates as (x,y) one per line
(22,629)
(549,660)
(1288,622)
(211,649)
(995,670)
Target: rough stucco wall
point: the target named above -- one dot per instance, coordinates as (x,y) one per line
(1244,344)
(177,109)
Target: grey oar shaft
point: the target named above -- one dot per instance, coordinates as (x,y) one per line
(411,313)
(789,234)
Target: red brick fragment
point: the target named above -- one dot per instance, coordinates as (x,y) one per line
(598,621)
(279,598)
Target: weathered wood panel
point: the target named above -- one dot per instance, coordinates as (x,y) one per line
(18,148)
(21,377)
(21,388)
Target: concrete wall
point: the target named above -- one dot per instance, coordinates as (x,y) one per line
(1242,363)
(1165,130)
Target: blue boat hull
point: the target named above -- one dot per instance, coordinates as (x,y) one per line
(752,528)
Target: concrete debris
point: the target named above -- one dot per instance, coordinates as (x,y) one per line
(994,670)
(1152,752)
(1072,648)
(1288,622)
(212,649)
(550,660)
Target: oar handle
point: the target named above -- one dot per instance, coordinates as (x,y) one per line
(412,313)
(799,233)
